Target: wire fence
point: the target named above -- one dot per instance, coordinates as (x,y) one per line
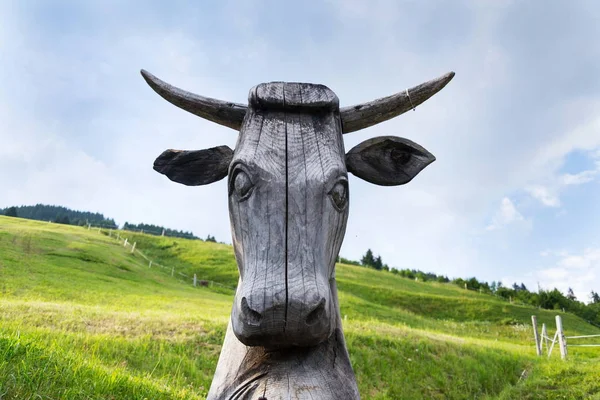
(559,337)
(132,248)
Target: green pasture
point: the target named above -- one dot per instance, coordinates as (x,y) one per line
(81,317)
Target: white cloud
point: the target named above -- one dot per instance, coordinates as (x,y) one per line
(544,194)
(579,178)
(482,127)
(581,272)
(549,194)
(584,137)
(506,215)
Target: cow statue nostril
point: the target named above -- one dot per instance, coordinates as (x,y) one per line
(316,314)
(252,317)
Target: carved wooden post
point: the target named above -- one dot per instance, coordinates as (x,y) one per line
(288,206)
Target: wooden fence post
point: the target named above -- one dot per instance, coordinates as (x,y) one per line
(538,347)
(544,338)
(195,279)
(133,247)
(562,341)
(465,286)
(125,243)
(150,264)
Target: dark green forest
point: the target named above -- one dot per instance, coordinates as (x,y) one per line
(64,215)
(61,215)
(517,293)
(158,230)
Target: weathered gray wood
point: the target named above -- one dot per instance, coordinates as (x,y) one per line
(288,205)
(193,168)
(354,118)
(288,96)
(321,372)
(363,115)
(223,113)
(554,339)
(562,341)
(259,223)
(544,337)
(286,235)
(388,160)
(538,346)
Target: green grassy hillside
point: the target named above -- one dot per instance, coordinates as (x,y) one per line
(82,317)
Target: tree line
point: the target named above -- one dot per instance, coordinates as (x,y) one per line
(59,214)
(547,299)
(158,230)
(64,215)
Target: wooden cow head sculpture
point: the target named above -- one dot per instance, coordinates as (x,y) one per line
(288,205)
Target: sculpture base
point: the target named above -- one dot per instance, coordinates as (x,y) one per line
(322,372)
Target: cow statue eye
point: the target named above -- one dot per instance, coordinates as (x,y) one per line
(242,185)
(339,195)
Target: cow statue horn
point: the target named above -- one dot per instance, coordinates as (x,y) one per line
(222,112)
(354,118)
(360,116)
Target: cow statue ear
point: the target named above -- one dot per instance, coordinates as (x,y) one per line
(388,160)
(193,168)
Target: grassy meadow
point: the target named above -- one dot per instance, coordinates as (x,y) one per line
(81,317)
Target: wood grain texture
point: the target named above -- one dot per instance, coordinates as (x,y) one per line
(388,160)
(221,112)
(288,205)
(271,96)
(284,340)
(193,168)
(321,372)
(259,225)
(315,161)
(363,115)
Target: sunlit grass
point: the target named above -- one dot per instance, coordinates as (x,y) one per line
(82,317)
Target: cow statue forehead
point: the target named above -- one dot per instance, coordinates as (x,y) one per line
(288,204)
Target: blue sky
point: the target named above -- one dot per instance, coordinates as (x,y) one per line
(514,194)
